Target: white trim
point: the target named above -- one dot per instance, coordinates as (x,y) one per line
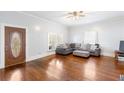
(41,18)
(2,38)
(2,58)
(107,54)
(40,56)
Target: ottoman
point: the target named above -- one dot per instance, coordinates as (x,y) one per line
(81,53)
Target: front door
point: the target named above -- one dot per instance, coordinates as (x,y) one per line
(14,45)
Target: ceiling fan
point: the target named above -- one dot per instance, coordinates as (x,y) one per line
(75,15)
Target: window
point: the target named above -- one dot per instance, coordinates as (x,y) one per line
(90,37)
(54,39)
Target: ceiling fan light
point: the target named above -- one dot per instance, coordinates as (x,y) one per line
(75,15)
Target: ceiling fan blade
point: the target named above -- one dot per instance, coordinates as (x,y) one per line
(75,14)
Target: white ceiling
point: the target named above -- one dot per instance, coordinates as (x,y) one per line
(59,16)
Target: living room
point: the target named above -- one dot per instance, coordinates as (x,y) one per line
(46,35)
(61,46)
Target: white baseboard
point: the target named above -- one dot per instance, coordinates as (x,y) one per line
(108,54)
(39,56)
(1,66)
(34,57)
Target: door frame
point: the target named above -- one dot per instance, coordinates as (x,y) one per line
(2,38)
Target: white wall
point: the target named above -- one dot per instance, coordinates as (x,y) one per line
(37,39)
(110,32)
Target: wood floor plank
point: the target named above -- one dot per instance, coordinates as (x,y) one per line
(65,68)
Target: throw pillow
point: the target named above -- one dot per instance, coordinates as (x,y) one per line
(77,45)
(68,45)
(93,47)
(84,47)
(88,47)
(62,46)
(65,46)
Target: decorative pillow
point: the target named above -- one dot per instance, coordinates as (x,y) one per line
(84,47)
(68,45)
(88,47)
(93,47)
(65,46)
(77,45)
(62,46)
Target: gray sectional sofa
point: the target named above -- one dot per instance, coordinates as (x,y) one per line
(65,50)
(79,50)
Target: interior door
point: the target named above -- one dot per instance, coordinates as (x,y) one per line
(14,45)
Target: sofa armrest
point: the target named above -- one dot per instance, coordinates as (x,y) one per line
(96,52)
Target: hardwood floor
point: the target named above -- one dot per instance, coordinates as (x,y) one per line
(58,67)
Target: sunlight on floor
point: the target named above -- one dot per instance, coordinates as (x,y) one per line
(90,70)
(16,76)
(55,68)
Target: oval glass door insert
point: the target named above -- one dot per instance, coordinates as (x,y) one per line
(15,44)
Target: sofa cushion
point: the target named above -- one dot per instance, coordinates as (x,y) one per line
(81,53)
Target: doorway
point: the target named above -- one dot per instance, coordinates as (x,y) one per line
(15,45)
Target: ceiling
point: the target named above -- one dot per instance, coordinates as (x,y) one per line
(59,16)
